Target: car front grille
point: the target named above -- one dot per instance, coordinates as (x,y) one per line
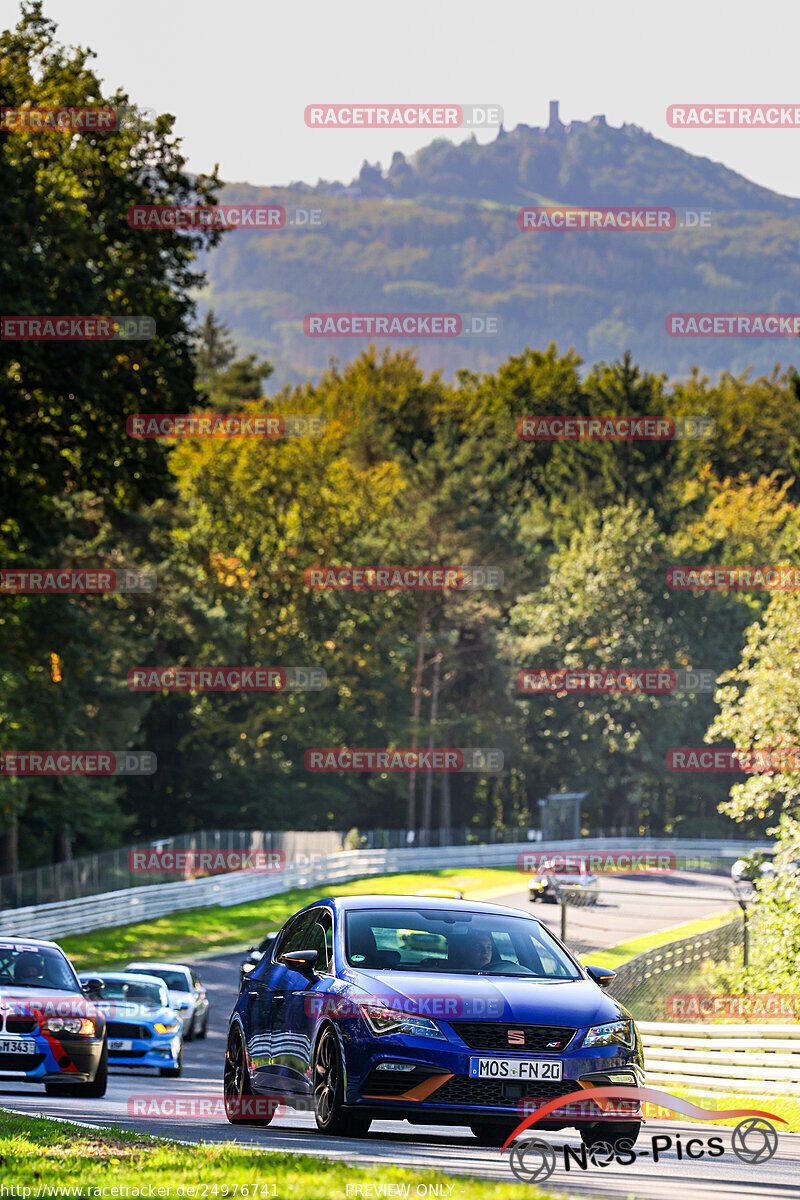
(118,1029)
(487,1092)
(20,1024)
(20,1062)
(494,1035)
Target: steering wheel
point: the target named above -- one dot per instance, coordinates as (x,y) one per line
(496,968)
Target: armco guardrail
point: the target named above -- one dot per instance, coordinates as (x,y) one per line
(157,900)
(763,1060)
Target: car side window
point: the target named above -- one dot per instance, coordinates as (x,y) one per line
(293,934)
(320,938)
(195,980)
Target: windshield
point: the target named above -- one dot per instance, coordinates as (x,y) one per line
(150,994)
(176,980)
(427,939)
(36,967)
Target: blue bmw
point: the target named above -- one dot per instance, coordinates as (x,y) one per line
(142,1029)
(431,1011)
(50,1032)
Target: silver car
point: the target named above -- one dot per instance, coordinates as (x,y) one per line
(186,994)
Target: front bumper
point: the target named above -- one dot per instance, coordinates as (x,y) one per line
(162,1050)
(74,1059)
(440,1090)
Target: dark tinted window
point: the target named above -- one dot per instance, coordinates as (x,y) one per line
(292,936)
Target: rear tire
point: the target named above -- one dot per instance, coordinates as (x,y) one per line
(328,1083)
(236,1085)
(489,1134)
(203,1028)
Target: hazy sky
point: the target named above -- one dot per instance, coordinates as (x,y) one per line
(239,73)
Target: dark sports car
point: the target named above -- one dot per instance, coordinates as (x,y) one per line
(495,1017)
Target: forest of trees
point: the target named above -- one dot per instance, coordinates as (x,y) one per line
(411,469)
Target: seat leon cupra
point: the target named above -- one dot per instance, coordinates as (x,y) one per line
(433,1011)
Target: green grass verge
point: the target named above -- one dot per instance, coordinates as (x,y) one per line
(42,1154)
(204,930)
(614,956)
(787,1107)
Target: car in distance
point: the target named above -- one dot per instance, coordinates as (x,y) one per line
(347,1018)
(256,953)
(141,1027)
(51,1032)
(186,994)
(549,885)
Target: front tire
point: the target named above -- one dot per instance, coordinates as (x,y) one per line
(94,1090)
(203,1028)
(174,1072)
(236,1085)
(328,1084)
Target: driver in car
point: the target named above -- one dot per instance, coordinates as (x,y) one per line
(481,951)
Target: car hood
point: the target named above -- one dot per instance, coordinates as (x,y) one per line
(119,1010)
(578,1002)
(51,1001)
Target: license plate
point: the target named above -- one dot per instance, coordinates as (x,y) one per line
(17,1046)
(514,1068)
(119,1044)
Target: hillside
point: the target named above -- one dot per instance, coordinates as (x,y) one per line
(438,233)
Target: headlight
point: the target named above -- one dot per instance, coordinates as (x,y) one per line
(615,1033)
(383,1021)
(70,1025)
(160,1027)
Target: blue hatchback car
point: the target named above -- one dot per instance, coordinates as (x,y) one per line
(143,1030)
(431,1011)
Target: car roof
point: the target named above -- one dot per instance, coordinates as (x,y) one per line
(8,939)
(138,977)
(384,901)
(168,966)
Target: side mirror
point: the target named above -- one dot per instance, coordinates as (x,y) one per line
(303,961)
(91,985)
(602,976)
